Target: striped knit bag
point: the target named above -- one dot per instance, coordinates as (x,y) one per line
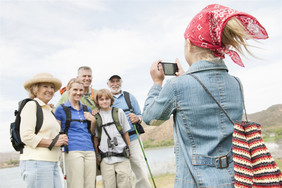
(253,163)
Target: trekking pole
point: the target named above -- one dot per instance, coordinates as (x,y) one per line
(64,168)
(144,155)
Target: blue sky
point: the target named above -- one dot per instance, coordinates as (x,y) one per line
(121,37)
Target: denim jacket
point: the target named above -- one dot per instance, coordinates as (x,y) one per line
(202,132)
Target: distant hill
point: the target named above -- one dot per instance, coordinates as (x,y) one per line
(271,118)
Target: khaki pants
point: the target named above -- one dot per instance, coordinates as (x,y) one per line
(116,175)
(80,169)
(138,165)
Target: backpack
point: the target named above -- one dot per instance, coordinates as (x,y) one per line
(137,125)
(99,122)
(111,141)
(253,163)
(69,120)
(15,126)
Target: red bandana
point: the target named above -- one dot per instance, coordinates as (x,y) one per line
(206,28)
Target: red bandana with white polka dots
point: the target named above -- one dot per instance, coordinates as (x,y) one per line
(205,29)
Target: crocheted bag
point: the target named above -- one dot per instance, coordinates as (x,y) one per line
(253,163)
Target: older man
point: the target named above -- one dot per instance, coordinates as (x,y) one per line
(137,160)
(84,73)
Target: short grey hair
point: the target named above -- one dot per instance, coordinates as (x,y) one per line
(83,68)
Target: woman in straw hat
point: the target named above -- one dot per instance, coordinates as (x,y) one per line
(203,132)
(39,161)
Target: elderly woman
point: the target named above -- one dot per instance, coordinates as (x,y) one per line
(39,160)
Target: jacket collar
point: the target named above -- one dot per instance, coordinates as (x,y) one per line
(42,104)
(204,65)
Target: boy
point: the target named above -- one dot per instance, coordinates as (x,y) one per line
(112,142)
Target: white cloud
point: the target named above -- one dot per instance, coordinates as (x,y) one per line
(59,36)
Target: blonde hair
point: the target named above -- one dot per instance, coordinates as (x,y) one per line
(72,81)
(234,35)
(32,90)
(106,93)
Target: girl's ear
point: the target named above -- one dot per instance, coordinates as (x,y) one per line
(188,45)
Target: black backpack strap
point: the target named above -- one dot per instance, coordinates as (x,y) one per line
(67,124)
(128,102)
(85,109)
(39,117)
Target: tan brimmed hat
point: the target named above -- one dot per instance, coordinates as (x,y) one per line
(43,78)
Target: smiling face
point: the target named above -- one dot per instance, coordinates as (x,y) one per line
(45,92)
(104,103)
(75,92)
(115,85)
(85,75)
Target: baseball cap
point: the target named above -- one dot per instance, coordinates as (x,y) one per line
(115,76)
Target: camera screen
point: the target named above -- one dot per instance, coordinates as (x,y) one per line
(169,68)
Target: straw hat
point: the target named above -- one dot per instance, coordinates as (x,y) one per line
(43,78)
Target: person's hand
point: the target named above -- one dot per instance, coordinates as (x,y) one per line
(89,116)
(62,140)
(133,118)
(180,69)
(51,105)
(95,111)
(157,73)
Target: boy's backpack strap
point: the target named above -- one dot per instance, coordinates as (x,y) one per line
(116,119)
(117,123)
(99,124)
(128,102)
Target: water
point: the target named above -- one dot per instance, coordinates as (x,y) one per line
(161,160)
(10,177)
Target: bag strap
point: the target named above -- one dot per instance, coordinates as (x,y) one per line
(117,123)
(99,124)
(128,102)
(241,91)
(85,109)
(206,89)
(242,96)
(39,117)
(39,113)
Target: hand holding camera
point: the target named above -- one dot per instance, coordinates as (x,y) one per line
(159,69)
